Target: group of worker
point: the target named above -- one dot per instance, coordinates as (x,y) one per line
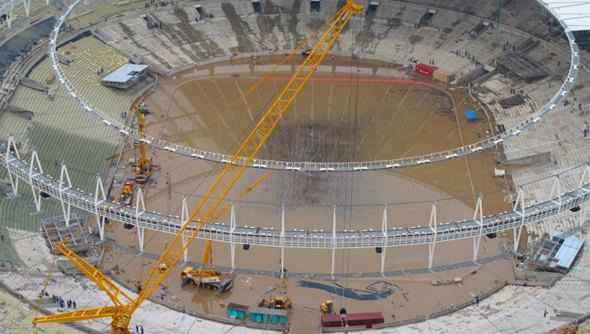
(138,329)
(63,303)
(71,304)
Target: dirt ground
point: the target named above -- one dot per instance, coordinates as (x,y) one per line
(337,118)
(412,295)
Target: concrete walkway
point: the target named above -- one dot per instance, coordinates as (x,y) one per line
(517,309)
(15,318)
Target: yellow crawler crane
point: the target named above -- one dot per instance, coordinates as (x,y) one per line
(209,206)
(209,278)
(143,167)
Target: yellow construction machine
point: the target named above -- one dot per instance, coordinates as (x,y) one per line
(276,302)
(213,204)
(143,165)
(126,195)
(209,279)
(327,307)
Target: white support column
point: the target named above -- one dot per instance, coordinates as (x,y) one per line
(11,147)
(433,224)
(478,218)
(139,211)
(27,5)
(585,178)
(10,13)
(35,169)
(283,240)
(65,184)
(556,191)
(583,215)
(519,207)
(99,198)
(384,231)
(184,217)
(333,264)
(232,229)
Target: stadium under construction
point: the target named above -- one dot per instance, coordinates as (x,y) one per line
(301,166)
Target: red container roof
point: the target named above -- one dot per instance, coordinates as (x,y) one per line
(364,318)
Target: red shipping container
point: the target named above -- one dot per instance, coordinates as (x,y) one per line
(332,320)
(368,319)
(425,70)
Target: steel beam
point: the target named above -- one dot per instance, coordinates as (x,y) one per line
(478,218)
(384,229)
(433,225)
(184,215)
(139,211)
(65,183)
(35,169)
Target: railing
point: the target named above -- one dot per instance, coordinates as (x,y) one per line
(44,185)
(308,166)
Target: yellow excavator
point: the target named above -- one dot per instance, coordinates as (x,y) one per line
(212,204)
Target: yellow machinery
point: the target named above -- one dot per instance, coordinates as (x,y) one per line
(569,328)
(327,307)
(126,195)
(276,302)
(211,203)
(143,166)
(210,278)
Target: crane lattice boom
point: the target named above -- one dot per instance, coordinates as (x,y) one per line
(211,205)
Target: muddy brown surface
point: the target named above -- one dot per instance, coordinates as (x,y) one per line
(387,118)
(336,117)
(413,295)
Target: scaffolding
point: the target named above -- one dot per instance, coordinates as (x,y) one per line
(523,214)
(74,235)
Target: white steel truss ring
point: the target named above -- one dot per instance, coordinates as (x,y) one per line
(309,166)
(27,172)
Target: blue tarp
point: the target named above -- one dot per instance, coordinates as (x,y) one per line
(348,292)
(470,114)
